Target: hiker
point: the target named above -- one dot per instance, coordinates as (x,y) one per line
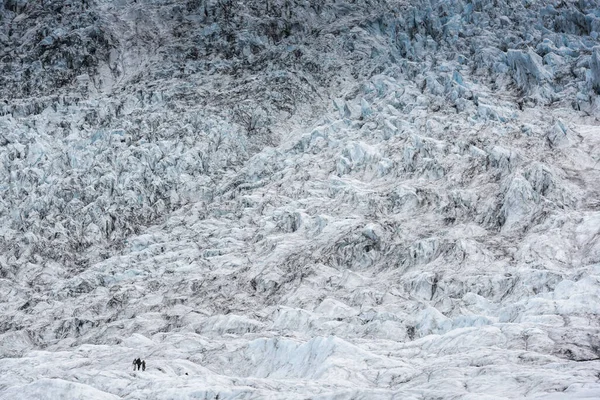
(144,365)
(137,363)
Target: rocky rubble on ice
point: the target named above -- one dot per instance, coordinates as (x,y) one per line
(300,199)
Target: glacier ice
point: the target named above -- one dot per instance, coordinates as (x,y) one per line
(300,199)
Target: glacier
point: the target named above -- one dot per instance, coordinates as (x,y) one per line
(294,199)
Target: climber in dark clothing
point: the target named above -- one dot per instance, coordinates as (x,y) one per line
(137,363)
(144,365)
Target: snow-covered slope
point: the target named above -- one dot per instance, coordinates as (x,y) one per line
(300,199)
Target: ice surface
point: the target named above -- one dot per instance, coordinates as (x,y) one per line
(300,199)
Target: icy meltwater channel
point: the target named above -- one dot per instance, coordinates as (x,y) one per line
(300,200)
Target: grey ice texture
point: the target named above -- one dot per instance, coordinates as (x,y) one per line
(286,199)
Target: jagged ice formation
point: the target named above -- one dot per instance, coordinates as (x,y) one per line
(300,199)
